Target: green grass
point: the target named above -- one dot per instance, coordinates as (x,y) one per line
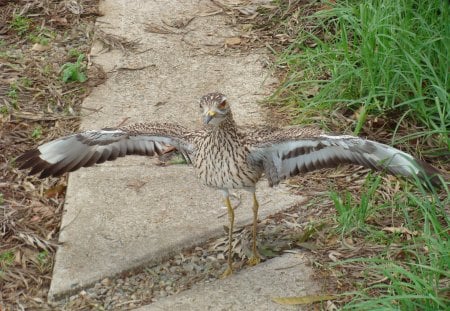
(375,57)
(416,276)
(390,59)
(351,214)
(419,281)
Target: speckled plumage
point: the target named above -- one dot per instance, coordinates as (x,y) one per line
(223,155)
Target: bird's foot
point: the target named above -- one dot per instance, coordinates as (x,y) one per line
(254,260)
(227,273)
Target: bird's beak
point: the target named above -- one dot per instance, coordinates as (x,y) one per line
(209,116)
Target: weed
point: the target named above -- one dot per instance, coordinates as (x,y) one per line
(74,53)
(4,110)
(13,95)
(20,24)
(2,200)
(38,38)
(43,261)
(74,71)
(6,260)
(25,82)
(42,258)
(42,36)
(37,132)
(47,70)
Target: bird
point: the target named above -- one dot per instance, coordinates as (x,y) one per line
(226,156)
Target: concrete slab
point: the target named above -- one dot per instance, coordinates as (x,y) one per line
(251,289)
(124,216)
(121,215)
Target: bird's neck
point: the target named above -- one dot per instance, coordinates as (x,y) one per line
(227,126)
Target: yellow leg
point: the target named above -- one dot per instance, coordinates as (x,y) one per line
(229,270)
(255,259)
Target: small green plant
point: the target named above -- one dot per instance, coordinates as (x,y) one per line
(25,82)
(42,257)
(47,70)
(4,110)
(42,36)
(37,132)
(74,72)
(74,53)
(13,95)
(2,200)
(38,38)
(20,23)
(6,260)
(43,261)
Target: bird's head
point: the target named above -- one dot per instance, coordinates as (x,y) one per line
(214,108)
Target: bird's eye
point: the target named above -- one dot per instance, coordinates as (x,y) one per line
(222,105)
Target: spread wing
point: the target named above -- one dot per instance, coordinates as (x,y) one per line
(285,154)
(87,148)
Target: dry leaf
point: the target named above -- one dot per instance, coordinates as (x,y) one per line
(17,257)
(402,230)
(35,218)
(302,300)
(59,20)
(331,306)
(55,191)
(334,256)
(40,47)
(248,10)
(233,41)
(28,186)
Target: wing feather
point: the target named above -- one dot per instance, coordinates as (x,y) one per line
(94,147)
(291,155)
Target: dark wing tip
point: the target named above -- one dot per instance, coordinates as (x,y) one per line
(431,173)
(28,159)
(32,159)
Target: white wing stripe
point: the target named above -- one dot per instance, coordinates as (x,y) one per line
(291,157)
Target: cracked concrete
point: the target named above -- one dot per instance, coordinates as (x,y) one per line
(252,289)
